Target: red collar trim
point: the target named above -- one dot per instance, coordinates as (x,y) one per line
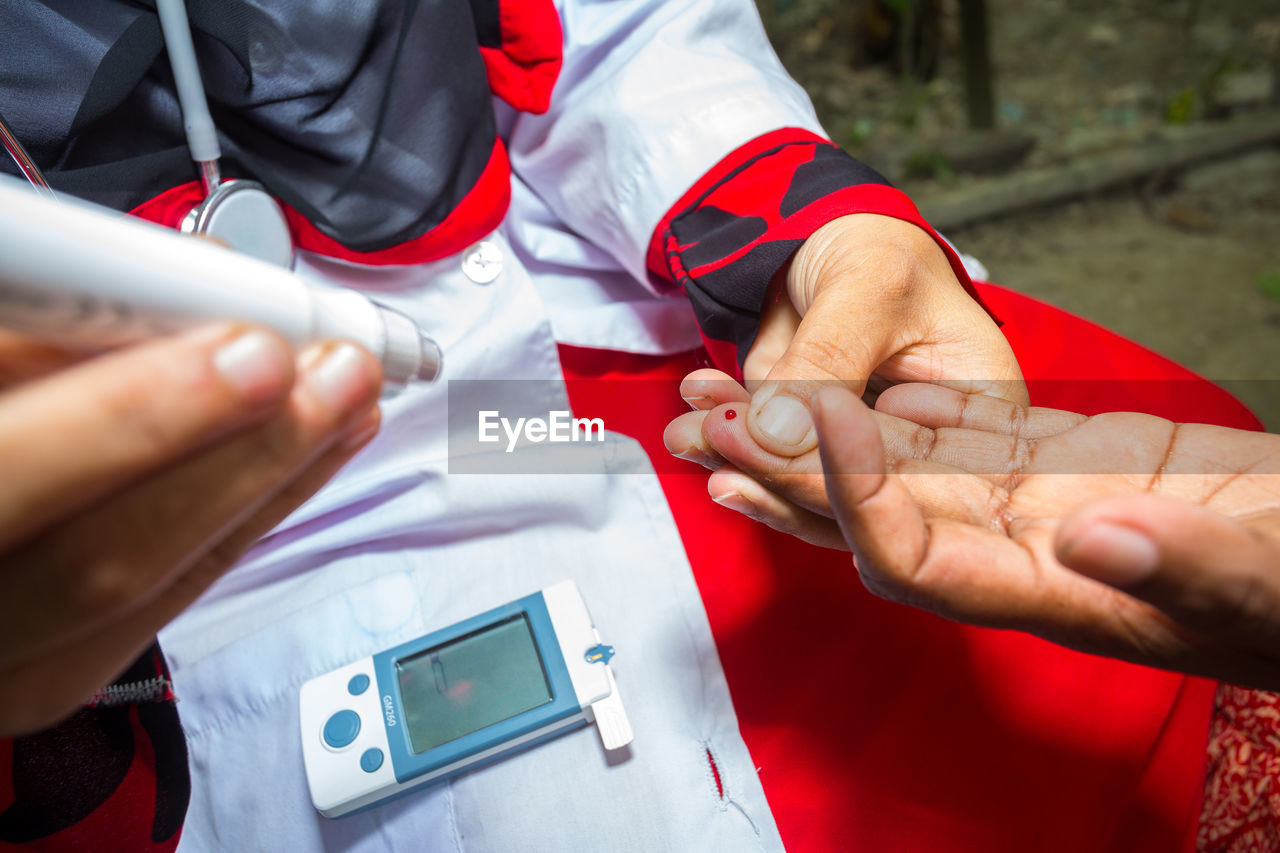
(478,214)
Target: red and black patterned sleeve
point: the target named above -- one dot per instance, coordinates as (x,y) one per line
(726,238)
(113,776)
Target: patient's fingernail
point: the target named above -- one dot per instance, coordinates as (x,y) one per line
(340,379)
(736,502)
(693,454)
(784,419)
(1112,553)
(257,364)
(696,402)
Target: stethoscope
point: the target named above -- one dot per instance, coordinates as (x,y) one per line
(237,213)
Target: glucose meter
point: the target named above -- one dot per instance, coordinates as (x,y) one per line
(456,698)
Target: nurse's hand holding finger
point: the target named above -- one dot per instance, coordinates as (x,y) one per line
(868,297)
(135,479)
(867,301)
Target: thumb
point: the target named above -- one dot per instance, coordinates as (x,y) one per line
(827,349)
(1206,571)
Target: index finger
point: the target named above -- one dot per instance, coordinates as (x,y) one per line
(936,406)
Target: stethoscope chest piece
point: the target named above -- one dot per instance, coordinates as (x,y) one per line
(244,217)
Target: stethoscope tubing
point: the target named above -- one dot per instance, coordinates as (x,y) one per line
(26,165)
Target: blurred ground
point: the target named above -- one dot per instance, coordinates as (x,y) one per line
(1192,293)
(1189,263)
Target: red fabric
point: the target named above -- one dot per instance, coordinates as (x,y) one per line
(877,727)
(480,211)
(1121,375)
(171,206)
(6,773)
(524,69)
(722,354)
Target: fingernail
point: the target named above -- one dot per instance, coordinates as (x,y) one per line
(340,380)
(784,419)
(1114,554)
(695,402)
(736,502)
(693,455)
(256,364)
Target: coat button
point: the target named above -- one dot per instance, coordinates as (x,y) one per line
(482,263)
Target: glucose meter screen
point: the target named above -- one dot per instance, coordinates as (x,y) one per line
(482,678)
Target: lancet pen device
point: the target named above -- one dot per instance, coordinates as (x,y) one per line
(86,279)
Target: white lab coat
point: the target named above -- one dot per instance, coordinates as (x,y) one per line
(652,94)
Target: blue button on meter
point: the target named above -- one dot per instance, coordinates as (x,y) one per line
(371,760)
(341,729)
(358,684)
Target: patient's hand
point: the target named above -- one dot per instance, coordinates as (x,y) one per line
(134,479)
(1121,534)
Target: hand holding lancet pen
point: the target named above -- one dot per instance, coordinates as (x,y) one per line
(78,277)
